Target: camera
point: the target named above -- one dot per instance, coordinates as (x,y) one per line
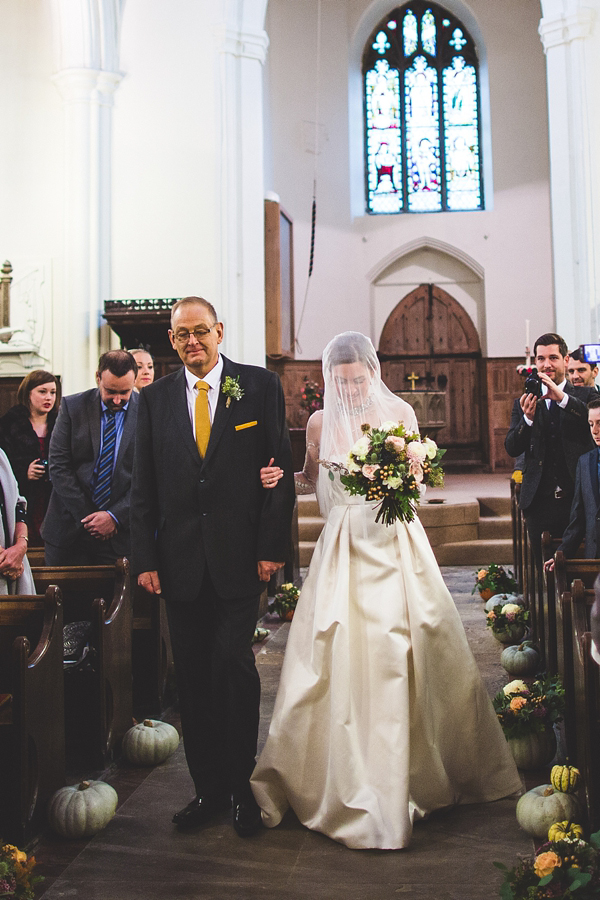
(533,385)
(590,353)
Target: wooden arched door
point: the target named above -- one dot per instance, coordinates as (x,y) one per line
(431,335)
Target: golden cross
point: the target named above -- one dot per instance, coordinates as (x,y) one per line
(412,378)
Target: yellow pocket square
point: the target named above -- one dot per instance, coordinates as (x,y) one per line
(246,425)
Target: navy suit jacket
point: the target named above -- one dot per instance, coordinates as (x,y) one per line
(74,448)
(585,510)
(188,513)
(531,440)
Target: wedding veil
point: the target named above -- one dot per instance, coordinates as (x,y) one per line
(354,395)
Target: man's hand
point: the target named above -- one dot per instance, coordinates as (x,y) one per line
(528,405)
(549,565)
(100,525)
(266,569)
(554,392)
(150,582)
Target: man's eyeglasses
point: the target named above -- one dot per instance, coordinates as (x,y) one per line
(183,336)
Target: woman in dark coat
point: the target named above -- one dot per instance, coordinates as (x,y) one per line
(25,437)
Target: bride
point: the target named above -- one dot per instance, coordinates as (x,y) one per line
(381,716)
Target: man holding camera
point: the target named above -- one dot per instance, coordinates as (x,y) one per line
(549,424)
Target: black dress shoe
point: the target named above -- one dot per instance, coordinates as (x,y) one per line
(201,810)
(246,816)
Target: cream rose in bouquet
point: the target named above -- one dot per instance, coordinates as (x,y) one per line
(387,465)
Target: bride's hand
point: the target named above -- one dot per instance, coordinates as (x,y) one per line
(270,475)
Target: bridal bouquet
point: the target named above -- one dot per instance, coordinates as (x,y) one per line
(387,465)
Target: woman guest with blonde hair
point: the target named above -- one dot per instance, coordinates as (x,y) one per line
(145,367)
(25,432)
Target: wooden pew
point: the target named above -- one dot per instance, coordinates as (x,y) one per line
(98,703)
(36,556)
(517,534)
(551,592)
(152,660)
(565,572)
(32,734)
(587,700)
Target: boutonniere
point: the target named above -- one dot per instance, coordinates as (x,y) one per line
(232,390)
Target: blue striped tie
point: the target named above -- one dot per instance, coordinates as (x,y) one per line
(105,463)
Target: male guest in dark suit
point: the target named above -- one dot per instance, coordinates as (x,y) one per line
(585,509)
(553,432)
(207,535)
(91,460)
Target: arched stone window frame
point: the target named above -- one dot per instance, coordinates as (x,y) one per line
(377,11)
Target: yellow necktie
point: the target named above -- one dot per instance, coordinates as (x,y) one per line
(202,418)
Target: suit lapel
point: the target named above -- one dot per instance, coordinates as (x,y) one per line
(222,412)
(94,419)
(128,431)
(593,463)
(178,398)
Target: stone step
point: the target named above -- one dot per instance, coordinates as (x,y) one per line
(494,506)
(491,527)
(307,505)
(474,553)
(305,552)
(310,527)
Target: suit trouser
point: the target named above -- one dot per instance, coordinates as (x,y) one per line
(218,687)
(547,513)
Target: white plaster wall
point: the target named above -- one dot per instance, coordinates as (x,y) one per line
(31,154)
(510,242)
(165,212)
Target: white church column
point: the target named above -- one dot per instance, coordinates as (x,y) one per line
(87,96)
(87,42)
(570,33)
(241,193)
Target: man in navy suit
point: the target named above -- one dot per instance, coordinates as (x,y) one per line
(585,510)
(207,536)
(91,460)
(552,431)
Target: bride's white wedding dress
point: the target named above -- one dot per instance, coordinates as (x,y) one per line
(381,716)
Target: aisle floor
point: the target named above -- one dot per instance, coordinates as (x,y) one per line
(140,856)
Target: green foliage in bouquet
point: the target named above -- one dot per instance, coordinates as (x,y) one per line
(567,869)
(16,873)
(495,579)
(285,600)
(387,465)
(502,616)
(523,709)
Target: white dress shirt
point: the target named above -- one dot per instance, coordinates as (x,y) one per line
(562,403)
(213,378)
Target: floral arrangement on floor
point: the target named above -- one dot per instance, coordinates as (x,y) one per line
(504,616)
(285,601)
(311,398)
(563,868)
(388,465)
(16,873)
(526,708)
(495,579)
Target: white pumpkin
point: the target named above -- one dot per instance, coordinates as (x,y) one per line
(502,599)
(150,742)
(532,751)
(82,810)
(541,807)
(521,659)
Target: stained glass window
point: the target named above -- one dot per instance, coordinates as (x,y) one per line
(423,151)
